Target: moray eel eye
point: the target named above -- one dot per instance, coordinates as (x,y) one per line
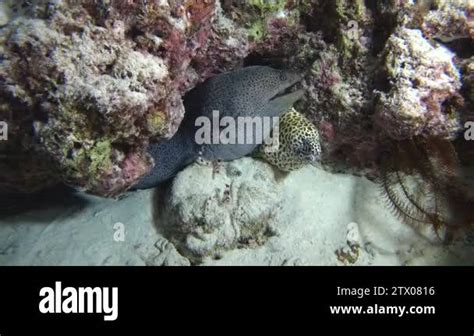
(283,76)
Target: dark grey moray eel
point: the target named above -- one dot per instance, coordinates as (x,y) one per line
(248,92)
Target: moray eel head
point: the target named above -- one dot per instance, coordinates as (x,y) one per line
(279,87)
(299,143)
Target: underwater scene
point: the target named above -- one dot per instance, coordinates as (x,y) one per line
(237,133)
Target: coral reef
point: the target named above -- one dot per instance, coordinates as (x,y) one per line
(423,79)
(208,212)
(452,20)
(85,86)
(375,71)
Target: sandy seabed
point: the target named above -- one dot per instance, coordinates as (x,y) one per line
(328,219)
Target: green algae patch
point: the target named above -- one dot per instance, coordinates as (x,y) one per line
(100,156)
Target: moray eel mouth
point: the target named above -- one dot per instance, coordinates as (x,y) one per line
(315,160)
(289,89)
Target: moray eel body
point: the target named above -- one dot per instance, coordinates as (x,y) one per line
(256,91)
(299,143)
(169,157)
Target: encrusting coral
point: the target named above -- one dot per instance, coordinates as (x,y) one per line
(86,85)
(423,80)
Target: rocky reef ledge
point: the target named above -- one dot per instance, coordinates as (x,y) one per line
(86,85)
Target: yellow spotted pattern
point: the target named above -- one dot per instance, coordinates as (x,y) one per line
(298,140)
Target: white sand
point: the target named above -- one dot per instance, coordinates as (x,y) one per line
(312,225)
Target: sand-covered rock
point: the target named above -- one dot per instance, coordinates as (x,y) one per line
(213,209)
